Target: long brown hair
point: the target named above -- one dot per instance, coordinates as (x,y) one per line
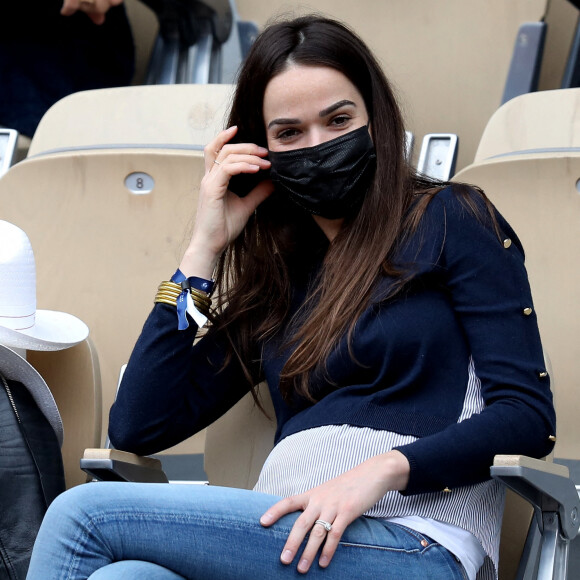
(277,244)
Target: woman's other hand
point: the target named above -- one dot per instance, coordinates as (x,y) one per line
(94,9)
(339,502)
(221,215)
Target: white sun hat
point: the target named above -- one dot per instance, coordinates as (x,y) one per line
(16,368)
(22,326)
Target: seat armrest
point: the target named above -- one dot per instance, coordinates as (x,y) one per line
(547,486)
(115,465)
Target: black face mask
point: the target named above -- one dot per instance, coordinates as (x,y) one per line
(330,179)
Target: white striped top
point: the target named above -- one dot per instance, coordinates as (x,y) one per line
(308,458)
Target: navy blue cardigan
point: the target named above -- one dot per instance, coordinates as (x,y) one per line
(469,297)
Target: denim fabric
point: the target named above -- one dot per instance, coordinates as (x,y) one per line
(134,569)
(169,532)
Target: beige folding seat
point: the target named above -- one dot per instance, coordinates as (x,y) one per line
(107,196)
(535,184)
(175,118)
(74,380)
(528,163)
(538,194)
(540,122)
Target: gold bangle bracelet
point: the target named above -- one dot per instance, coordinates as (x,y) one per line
(163,301)
(173,302)
(201,309)
(201,295)
(169,292)
(201,306)
(162,298)
(172,296)
(166,297)
(201,303)
(169,284)
(175,290)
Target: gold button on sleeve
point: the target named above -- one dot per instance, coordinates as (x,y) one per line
(507,243)
(447,490)
(542,374)
(552,438)
(527,311)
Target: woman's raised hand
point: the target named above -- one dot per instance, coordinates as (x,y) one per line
(337,502)
(221,215)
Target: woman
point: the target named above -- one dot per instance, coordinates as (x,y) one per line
(390,316)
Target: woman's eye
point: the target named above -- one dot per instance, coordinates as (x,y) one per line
(287,134)
(340,120)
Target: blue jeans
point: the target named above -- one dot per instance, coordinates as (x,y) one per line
(171,532)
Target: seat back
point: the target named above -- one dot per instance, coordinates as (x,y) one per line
(74,379)
(101,250)
(8,144)
(528,163)
(539,196)
(522,125)
(159,116)
(450,75)
(103,244)
(237,444)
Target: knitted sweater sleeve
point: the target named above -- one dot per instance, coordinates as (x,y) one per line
(489,288)
(172,388)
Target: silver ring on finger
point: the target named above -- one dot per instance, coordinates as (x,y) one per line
(326,525)
(216,162)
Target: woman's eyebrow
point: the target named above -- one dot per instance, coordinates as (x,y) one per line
(336,106)
(323,113)
(283,122)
